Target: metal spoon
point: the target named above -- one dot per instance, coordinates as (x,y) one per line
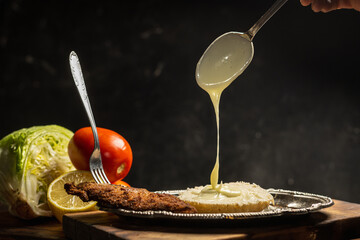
(230,54)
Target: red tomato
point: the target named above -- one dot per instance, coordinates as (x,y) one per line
(122,183)
(116,153)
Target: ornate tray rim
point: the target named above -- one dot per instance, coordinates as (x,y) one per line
(272,211)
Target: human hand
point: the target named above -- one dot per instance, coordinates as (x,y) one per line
(329,5)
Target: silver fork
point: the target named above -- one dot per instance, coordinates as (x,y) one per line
(96,166)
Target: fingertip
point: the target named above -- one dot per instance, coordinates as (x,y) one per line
(318,6)
(305,3)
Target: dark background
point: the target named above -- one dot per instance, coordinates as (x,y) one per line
(291,120)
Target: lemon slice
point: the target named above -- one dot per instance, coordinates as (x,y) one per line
(60,202)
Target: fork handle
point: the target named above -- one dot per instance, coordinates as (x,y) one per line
(80,85)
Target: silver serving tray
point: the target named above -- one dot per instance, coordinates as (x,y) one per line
(286,203)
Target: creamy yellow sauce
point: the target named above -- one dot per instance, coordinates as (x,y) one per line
(221,64)
(229,193)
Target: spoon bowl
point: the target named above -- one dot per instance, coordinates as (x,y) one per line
(224,60)
(230,54)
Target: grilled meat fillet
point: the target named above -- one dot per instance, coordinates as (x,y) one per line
(138,199)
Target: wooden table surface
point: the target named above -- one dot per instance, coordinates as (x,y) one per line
(340,221)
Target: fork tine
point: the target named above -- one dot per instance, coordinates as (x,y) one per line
(95,175)
(100,176)
(103,175)
(99,179)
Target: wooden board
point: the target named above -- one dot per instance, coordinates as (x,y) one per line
(41,228)
(341,221)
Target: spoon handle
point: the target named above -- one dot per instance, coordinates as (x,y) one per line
(269,13)
(80,85)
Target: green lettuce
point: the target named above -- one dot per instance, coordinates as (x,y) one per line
(30,159)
